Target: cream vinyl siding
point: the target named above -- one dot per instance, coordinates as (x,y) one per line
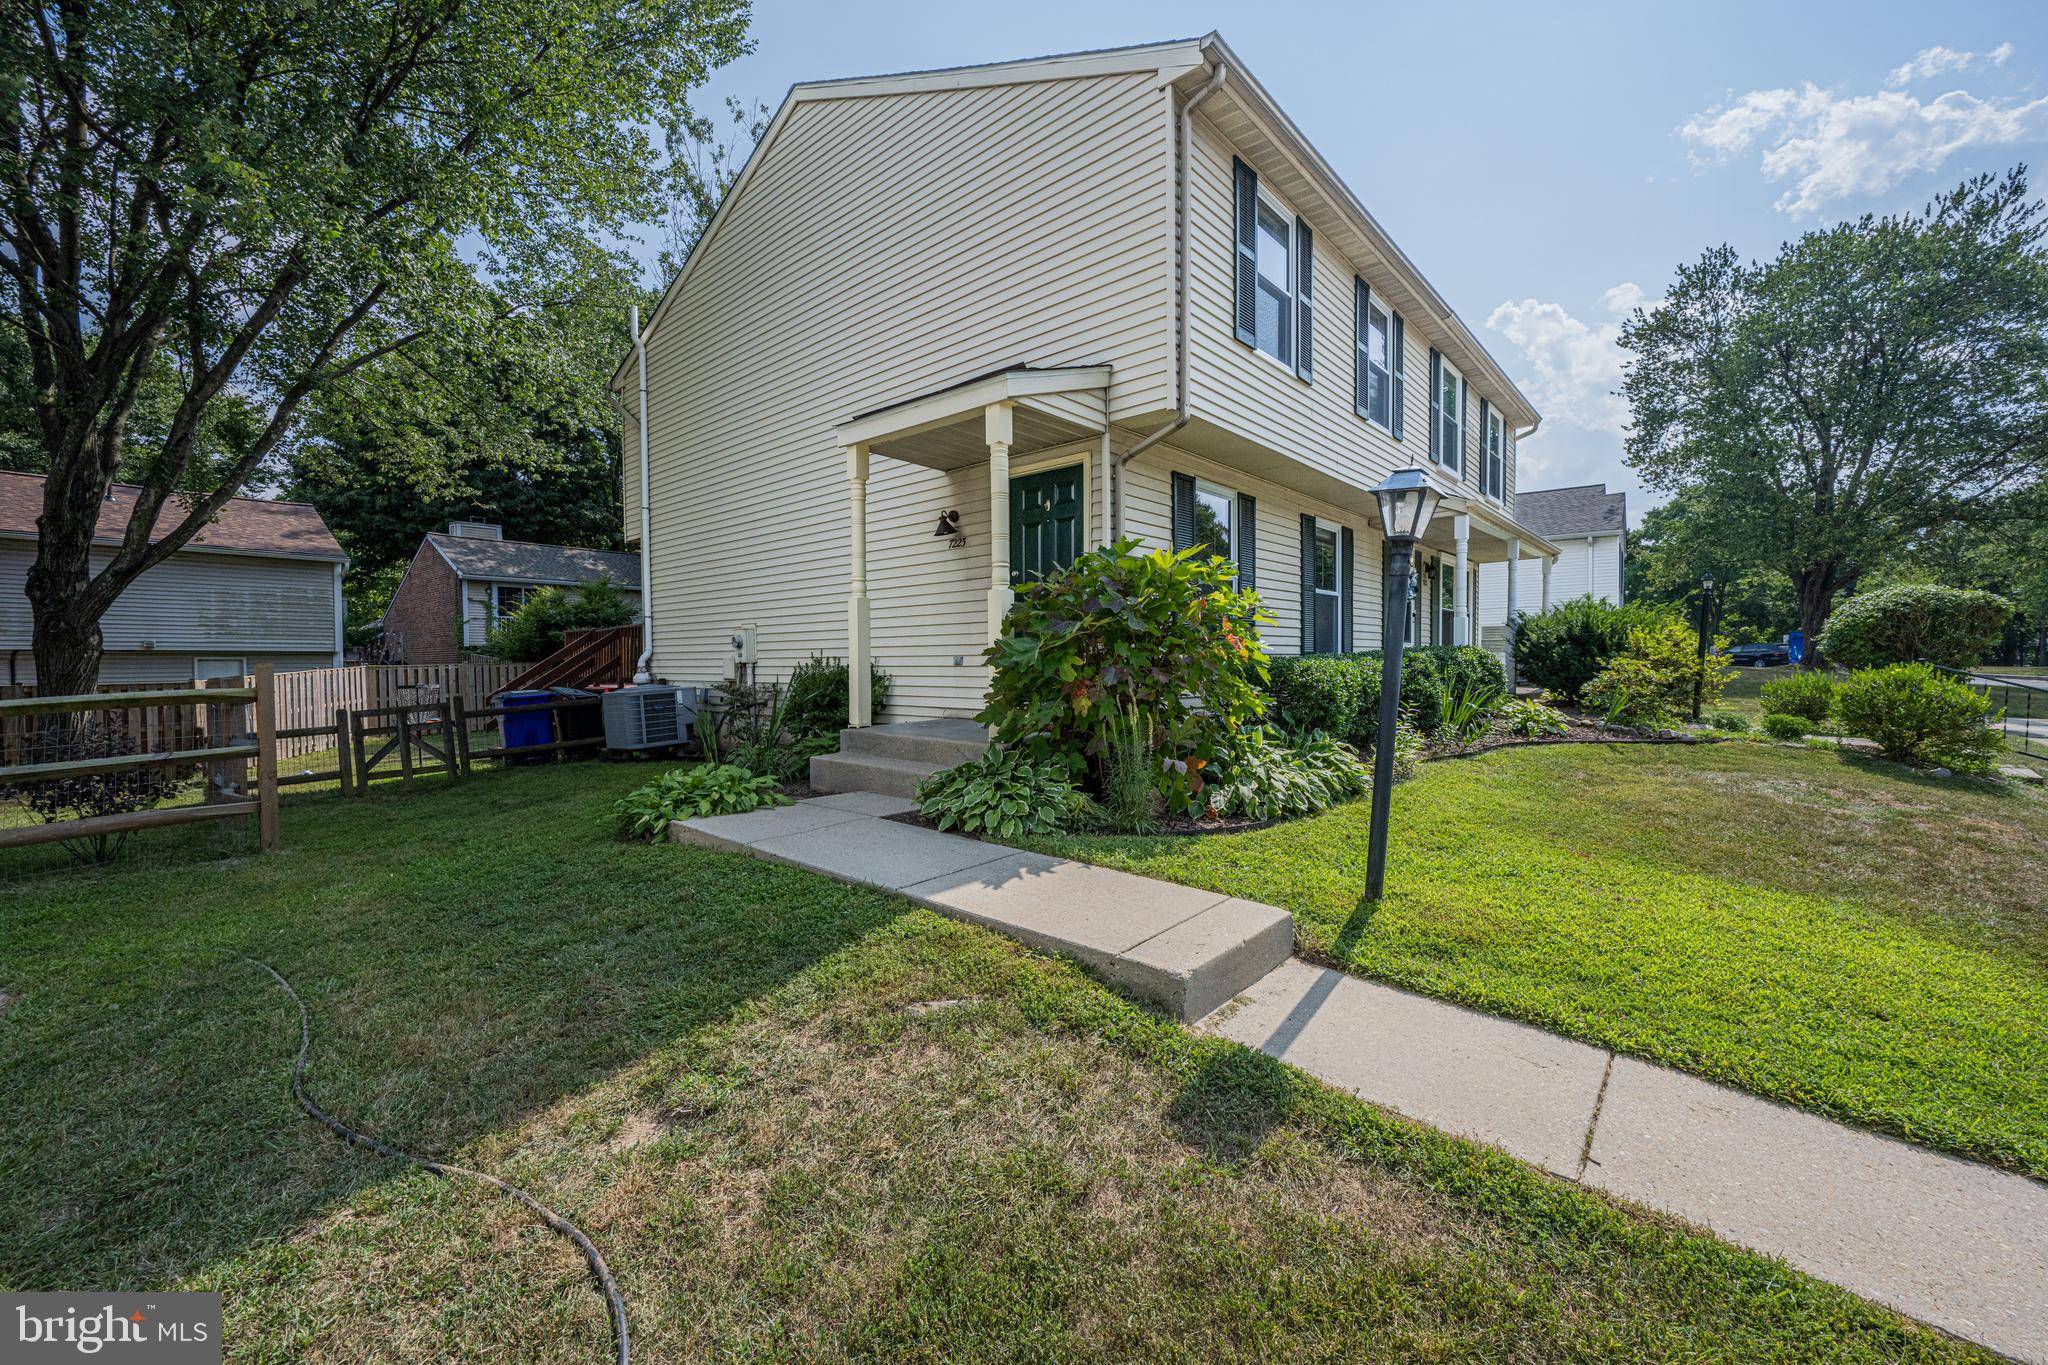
(884,247)
(1276,537)
(1245,392)
(198,603)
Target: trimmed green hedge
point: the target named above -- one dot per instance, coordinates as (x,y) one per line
(1339,694)
(1914,622)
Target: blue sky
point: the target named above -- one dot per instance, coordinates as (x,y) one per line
(1547,164)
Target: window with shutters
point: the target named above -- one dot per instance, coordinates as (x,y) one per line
(1276,282)
(1375,363)
(1328,591)
(1216,519)
(1451,414)
(1496,456)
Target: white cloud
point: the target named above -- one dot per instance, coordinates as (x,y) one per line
(1570,370)
(1834,146)
(1626,297)
(1933,61)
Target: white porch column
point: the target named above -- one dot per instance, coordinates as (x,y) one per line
(1103,478)
(1548,560)
(1461,606)
(1514,563)
(999,432)
(859,642)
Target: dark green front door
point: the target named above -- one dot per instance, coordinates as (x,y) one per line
(1045,522)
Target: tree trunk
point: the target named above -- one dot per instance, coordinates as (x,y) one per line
(66,632)
(1815,587)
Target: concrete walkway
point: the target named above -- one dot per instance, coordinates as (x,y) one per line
(1951,1242)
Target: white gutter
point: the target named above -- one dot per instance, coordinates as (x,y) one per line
(640,671)
(1180,260)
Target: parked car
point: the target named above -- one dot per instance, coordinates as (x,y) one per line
(1760,655)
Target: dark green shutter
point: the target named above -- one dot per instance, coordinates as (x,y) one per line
(1347,604)
(1361,304)
(1247,541)
(1247,251)
(1183,511)
(1308,584)
(1400,359)
(1436,405)
(1304,300)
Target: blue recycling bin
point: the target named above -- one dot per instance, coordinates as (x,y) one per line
(527,729)
(1795,646)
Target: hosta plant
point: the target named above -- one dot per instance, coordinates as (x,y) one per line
(1006,793)
(1528,719)
(686,793)
(1267,780)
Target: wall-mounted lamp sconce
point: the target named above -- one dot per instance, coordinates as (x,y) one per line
(949,525)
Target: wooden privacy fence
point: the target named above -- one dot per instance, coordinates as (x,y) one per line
(307,700)
(203,717)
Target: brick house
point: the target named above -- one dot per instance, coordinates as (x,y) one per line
(460,582)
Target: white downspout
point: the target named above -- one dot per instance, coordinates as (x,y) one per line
(1180,247)
(641,675)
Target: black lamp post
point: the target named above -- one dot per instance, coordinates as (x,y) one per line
(1406,504)
(1699,675)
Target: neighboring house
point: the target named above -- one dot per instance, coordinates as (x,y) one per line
(1589,526)
(459,584)
(934,344)
(261,584)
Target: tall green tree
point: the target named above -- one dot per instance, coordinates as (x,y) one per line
(1680,543)
(1879,380)
(268,197)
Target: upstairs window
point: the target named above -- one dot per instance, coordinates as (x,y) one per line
(1496,456)
(1450,404)
(1275,286)
(1375,397)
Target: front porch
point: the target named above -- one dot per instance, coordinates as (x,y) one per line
(999,420)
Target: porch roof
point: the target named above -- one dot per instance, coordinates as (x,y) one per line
(1491,527)
(944,429)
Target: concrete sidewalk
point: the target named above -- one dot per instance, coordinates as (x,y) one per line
(1952,1242)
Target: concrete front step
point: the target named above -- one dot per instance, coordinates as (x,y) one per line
(871,772)
(944,742)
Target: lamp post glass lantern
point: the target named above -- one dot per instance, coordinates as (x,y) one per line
(1407,502)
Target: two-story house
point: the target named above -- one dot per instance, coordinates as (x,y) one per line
(950,329)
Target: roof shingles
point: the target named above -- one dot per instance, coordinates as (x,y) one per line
(1585,510)
(521,561)
(243,525)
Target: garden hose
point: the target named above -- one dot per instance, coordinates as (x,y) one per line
(614,1301)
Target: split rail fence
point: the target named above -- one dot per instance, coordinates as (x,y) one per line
(168,728)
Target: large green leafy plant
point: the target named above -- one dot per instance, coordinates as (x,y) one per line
(1166,635)
(1264,779)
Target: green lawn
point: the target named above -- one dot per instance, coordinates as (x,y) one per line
(1814,927)
(803,1121)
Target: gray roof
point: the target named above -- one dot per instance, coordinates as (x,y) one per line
(522,561)
(1587,510)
